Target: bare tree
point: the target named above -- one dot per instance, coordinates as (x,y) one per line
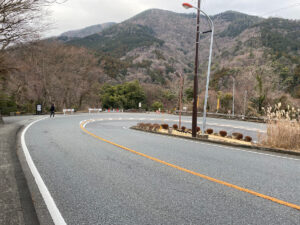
(53,72)
(16,17)
(18,23)
(19,19)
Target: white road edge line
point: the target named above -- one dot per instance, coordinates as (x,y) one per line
(52,208)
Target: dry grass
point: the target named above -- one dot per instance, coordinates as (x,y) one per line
(282,134)
(283,128)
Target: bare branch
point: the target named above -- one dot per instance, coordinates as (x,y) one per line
(19,19)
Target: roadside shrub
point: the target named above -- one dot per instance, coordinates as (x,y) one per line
(198,129)
(151,126)
(189,131)
(165,126)
(237,135)
(141,125)
(156,127)
(223,133)
(183,128)
(209,131)
(147,126)
(175,126)
(248,139)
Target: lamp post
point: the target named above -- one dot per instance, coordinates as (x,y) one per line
(188,6)
(194,117)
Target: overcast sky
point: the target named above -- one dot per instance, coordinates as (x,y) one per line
(76,14)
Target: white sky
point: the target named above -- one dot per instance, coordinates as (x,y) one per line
(77,14)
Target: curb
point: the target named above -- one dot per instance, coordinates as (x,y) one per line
(39,204)
(22,210)
(225,143)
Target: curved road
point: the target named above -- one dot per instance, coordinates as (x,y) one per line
(95,182)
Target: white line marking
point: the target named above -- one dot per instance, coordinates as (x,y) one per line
(81,122)
(252,152)
(53,210)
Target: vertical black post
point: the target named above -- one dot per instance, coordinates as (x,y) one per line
(180,98)
(194,118)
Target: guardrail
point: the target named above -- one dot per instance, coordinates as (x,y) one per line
(95,110)
(68,110)
(226,116)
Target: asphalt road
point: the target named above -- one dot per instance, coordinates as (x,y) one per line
(94,182)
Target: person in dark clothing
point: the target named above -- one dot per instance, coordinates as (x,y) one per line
(52,110)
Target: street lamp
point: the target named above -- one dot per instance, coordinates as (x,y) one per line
(188,6)
(194,117)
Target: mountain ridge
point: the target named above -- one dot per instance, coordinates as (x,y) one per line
(262,55)
(244,42)
(86,31)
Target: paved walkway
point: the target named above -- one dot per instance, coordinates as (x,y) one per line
(15,200)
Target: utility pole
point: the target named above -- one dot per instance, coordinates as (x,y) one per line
(245,100)
(233,90)
(180,98)
(194,118)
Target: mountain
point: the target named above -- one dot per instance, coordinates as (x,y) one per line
(81,33)
(262,55)
(119,39)
(167,40)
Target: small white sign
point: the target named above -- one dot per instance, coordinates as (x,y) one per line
(39,108)
(140,105)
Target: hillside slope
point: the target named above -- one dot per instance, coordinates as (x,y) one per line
(262,55)
(87,31)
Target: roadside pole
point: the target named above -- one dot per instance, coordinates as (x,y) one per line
(180,98)
(245,100)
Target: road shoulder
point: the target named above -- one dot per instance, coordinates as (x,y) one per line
(17,202)
(41,210)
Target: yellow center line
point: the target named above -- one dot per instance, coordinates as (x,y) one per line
(291,205)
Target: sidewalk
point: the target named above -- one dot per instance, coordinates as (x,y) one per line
(15,199)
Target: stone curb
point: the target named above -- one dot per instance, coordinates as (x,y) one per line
(39,205)
(16,203)
(225,143)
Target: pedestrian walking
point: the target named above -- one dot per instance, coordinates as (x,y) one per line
(52,110)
